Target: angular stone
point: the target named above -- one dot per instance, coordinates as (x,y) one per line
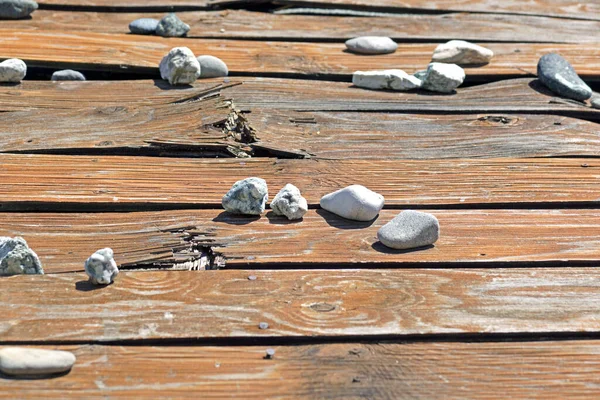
(410,229)
(17,258)
(22,361)
(354,202)
(16,9)
(248,197)
(144,26)
(101,267)
(172,26)
(559,76)
(371,45)
(68,75)
(393,79)
(180,66)
(12,70)
(289,202)
(462,53)
(443,78)
(212,67)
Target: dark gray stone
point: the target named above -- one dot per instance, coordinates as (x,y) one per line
(144,26)
(559,76)
(410,229)
(172,26)
(68,75)
(16,9)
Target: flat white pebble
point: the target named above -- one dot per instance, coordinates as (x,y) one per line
(101,267)
(371,45)
(180,66)
(289,202)
(68,75)
(410,229)
(247,197)
(17,258)
(354,202)
(22,361)
(12,70)
(462,53)
(393,79)
(212,67)
(443,78)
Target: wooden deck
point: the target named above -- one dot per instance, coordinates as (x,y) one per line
(506,304)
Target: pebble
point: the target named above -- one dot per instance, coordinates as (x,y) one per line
(172,26)
(595,101)
(21,361)
(248,197)
(212,67)
(144,26)
(559,76)
(289,202)
(68,75)
(371,45)
(17,258)
(410,229)
(12,70)
(443,78)
(16,9)
(101,267)
(354,202)
(420,75)
(180,66)
(462,53)
(394,79)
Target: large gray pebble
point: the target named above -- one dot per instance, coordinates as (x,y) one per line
(443,78)
(410,229)
(16,9)
(462,53)
(180,66)
(144,26)
(393,79)
(12,70)
(17,258)
(68,75)
(595,101)
(212,67)
(22,361)
(172,26)
(289,202)
(101,267)
(559,76)
(371,45)
(354,202)
(248,197)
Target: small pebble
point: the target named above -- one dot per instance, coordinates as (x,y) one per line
(371,45)
(289,202)
(68,75)
(462,53)
(270,353)
(393,79)
(180,66)
(17,258)
(144,26)
(595,101)
(247,197)
(16,9)
(354,202)
(101,267)
(212,67)
(559,76)
(443,78)
(410,229)
(21,361)
(420,75)
(172,26)
(12,70)
(252,277)
(263,325)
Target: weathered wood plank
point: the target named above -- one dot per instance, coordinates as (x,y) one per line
(348,303)
(168,239)
(332,371)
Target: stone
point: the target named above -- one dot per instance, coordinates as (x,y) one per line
(68,75)
(354,202)
(595,101)
(394,79)
(172,26)
(420,75)
(371,45)
(462,53)
(248,197)
(180,66)
(17,258)
(443,78)
(144,26)
(22,361)
(16,9)
(12,70)
(212,67)
(289,202)
(410,229)
(559,76)
(101,267)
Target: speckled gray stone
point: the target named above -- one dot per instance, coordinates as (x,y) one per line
(172,26)
(443,78)
(12,70)
(289,202)
(371,45)
(559,76)
(462,53)
(393,79)
(17,258)
(180,66)
(22,361)
(354,202)
(101,267)
(68,75)
(16,9)
(212,67)
(410,229)
(248,196)
(144,26)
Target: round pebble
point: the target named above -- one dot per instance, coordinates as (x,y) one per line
(12,70)
(16,9)
(263,325)
(354,202)
(21,361)
(68,75)
(371,45)
(410,229)
(558,75)
(212,67)
(144,26)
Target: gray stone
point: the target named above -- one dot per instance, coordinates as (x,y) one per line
(212,67)
(289,202)
(410,229)
(101,267)
(180,66)
(68,75)
(559,76)
(16,9)
(172,26)
(248,196)
(462,53)
(144,26)
(420,75)
(354,202)
(12,70)
(393,79)
(371,45)
(443,78)
(17,258)
(595,101)
(22,361)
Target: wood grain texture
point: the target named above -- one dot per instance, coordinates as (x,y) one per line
(348,303)
(168,239)
(564,369)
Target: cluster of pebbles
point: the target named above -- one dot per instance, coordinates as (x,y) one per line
(181,67)
(169,26)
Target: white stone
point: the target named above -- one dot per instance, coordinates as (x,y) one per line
(371,45)
(17,258)
(462,53)
(101,267)
(248,197)
(410,229)
(67,75)
(394,79)
(289,202)
(180,66)
(354,202)
(212,67)
(22,361)
(443,78)
(12,70)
